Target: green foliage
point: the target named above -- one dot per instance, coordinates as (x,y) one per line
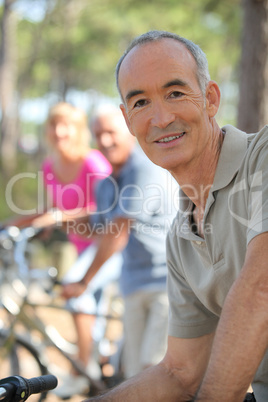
(79,42)
(21,190)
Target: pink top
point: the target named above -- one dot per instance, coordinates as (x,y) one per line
(80,192)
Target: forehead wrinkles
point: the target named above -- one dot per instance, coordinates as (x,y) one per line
(165,55)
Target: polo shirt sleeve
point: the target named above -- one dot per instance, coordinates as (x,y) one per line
(258,186)
(188,317)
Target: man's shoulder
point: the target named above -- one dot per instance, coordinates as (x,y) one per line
(240,147)
(259,138)
(256,137)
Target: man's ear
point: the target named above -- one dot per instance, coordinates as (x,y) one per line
(213,96)
(123,110)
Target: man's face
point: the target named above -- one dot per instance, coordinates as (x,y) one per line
(163,103)
(113,138)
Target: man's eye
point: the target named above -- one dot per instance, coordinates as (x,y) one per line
(176,94)
(140,103)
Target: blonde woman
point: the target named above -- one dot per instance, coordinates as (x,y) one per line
(71,172)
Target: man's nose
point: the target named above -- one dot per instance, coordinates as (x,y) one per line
(105,140)
(162,115)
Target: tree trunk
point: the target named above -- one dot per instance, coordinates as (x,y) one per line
(8,75)
(253,80)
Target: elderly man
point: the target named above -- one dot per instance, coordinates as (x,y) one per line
(217,248)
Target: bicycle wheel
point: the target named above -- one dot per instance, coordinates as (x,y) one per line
(19,357)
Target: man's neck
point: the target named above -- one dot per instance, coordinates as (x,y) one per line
(197,181)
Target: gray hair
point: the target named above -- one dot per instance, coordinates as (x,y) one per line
(203,75)
(104,110)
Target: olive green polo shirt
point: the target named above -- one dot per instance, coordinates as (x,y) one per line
(201,271)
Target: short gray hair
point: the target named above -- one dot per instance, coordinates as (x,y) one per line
(203,75)
(104,110)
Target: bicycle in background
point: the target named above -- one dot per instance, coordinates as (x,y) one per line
(28,345)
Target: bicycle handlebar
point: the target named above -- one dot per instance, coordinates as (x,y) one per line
(18,389)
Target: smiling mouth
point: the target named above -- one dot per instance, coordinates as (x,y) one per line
(172,138)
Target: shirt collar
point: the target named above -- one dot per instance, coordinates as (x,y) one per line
(233,150)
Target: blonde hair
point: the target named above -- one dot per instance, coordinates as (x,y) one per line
(78,118)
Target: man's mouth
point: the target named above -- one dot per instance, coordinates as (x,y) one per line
(172,138)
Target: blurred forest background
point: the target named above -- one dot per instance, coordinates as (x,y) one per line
(55,50)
